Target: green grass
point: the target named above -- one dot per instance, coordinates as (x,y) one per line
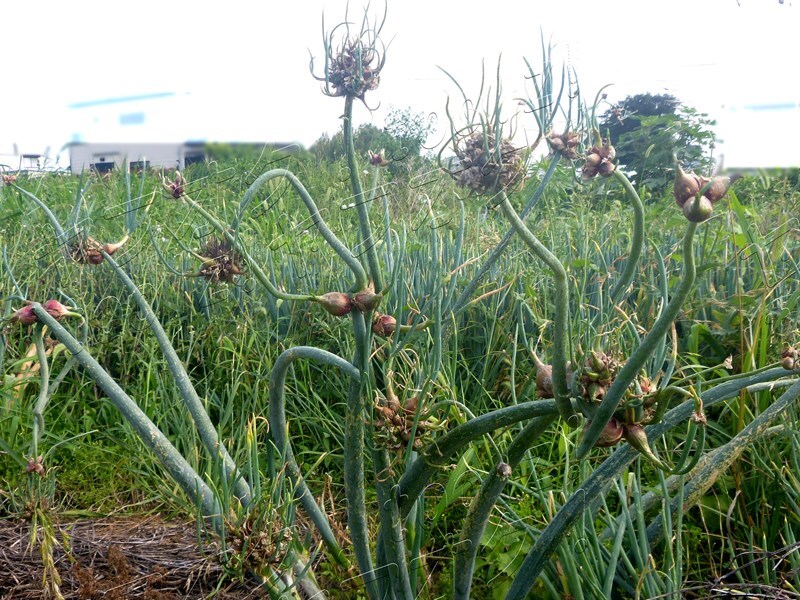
(228,337)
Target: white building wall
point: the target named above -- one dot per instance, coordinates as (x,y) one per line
(102,156)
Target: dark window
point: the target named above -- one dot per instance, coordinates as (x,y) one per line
(102,167)
(138,165)
(194,158)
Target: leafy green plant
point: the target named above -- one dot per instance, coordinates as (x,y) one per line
(600,354)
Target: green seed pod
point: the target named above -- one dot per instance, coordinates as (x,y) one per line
(698,210)
(635,435)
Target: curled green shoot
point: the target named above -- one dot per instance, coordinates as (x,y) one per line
(279,430)
(610,403)
(637,239)
(561,310)
(191,483)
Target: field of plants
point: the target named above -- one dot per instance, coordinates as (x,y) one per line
(499,372)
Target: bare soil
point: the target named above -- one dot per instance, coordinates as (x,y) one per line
(115,558)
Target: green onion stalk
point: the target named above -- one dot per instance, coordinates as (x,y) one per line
(637,360)
(206,429)
(466,294)
(719,460)
(561,316)
(457,440)
(392,548)
(279,430)
(595,486)
(637,240)
(208,433)
(484,501)
(354,459)
(177,466)
(316,218)
(362,205)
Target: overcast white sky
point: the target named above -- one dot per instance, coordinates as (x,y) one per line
(243,66)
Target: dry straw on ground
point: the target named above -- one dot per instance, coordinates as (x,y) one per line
(117,558)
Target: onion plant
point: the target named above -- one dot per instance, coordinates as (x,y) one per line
(403,425)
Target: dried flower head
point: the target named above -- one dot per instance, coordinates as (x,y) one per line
(486,166)
(378,159)
(221,261)
(86,251)
(9,179)
(599,160)
(176,187)
(565,144)
(353,61)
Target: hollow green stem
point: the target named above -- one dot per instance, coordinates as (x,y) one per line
(44,392)
(362,204)
(466,294)
(719,460)
(637,240)
(603,476)
(354,458)
(561,314)
(316,218)
(482,504)
(393,537)
(441,451)
(61,235)
(177,466)
(636,361)
(278,429)
(206,429)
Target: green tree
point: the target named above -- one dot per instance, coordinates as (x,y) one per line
(402,139)
(647,128)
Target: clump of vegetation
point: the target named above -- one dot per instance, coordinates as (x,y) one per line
(440,374)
